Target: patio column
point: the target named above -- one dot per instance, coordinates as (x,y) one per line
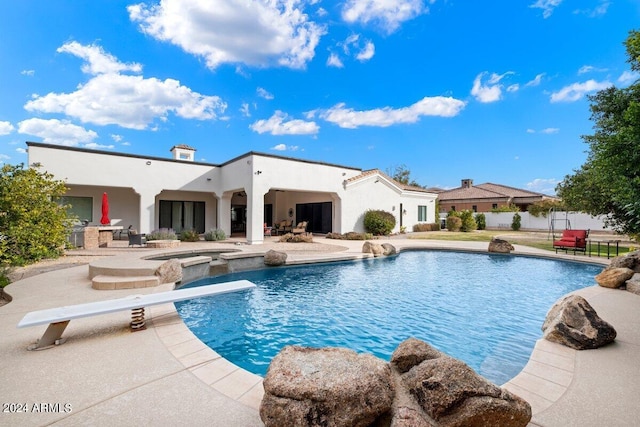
(147,210)
(224,212)
(255,216)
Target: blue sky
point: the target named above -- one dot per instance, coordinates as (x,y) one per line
(494,91)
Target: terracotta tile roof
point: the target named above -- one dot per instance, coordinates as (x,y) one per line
(489,191)
(183,146)
(371,172)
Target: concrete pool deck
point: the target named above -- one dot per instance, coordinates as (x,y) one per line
(106,375)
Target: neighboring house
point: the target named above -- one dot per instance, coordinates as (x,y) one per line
(237,196)
(485,197)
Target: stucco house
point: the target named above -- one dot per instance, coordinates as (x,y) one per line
(238,196)
(487,196)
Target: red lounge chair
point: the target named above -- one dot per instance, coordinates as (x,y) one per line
(575,240)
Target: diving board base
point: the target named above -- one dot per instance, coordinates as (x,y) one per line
(51,337)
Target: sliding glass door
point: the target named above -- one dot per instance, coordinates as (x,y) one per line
(182,215)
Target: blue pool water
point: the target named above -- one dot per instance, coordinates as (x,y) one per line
(486,310)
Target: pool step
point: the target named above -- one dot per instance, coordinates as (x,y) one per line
(105,282)
(218,266)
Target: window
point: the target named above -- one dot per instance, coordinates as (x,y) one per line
(422,213)
(474,208)
(453,208)
(185,156)
(182,215)
(81,207)
(494,206)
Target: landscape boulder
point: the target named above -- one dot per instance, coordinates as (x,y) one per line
(389,249)
(372,248)
(500,246)
(614,277)
(275,258)
(169,271)
(325,387)
(434,389)
(633,284)
(630,260)
(574,323)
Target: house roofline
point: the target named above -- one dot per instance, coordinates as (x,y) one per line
(164,159)
(111,153)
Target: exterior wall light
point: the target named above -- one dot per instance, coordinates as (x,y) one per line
(148,162)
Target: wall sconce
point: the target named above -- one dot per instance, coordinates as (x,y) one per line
(404,212)
(258,172)
(148,162)
(393,208)
(208,179)
(376,181)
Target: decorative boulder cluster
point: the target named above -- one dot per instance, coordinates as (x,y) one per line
(275,258)
(419,387)
(622,272)
(500,246)
(378,249)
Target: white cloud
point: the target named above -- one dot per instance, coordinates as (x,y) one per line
(21,150)
(96,146)
(513,88)
(128,101)
(387,116)
(388,15)
(60,132)
(228,31)
(543,185)
(279,125)
(576,91)
(97,60)
(547,6)
(116,138)
(367,52)
(550,131)
(599,10)
(490,91)
(6,128)
(590,69)
(536,81)
(3,157)
(29,73)
(628,77)
(262,93)
(334,61)
(531,131)
(284,147)
(244,109)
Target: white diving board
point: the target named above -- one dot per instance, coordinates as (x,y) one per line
(58,318)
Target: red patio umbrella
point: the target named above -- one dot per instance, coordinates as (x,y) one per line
(105,210)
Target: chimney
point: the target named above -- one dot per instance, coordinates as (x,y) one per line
(467,183)
(183,152)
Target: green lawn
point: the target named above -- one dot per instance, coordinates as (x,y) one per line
(539,240)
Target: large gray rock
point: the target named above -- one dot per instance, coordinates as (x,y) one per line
(275,258)
(574,323)
(412,352)
(500,246)
(614,277)
(325,387)
(389,249)
(633,284)
(372,248)
(630,260)
(452,394)
(169,271)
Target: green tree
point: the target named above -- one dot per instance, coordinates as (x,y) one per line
(468,221)
(403,175)
(608,183)
(32,225)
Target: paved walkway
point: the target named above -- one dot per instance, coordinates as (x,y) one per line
(106,375)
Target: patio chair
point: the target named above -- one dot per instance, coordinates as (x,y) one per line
(300,228)
(267,230)
(136,239)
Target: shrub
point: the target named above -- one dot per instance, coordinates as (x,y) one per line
(515,224)
(33,225)
(468,222)
(189,236)
(297,238)
(454,223)
(215,234)
(162,234)
(507,208)
(481,221)
(542,207)
(426,226)
(378,222)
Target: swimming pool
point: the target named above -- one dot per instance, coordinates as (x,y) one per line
(484,309)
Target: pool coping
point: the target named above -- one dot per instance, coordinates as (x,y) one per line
(544,379)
